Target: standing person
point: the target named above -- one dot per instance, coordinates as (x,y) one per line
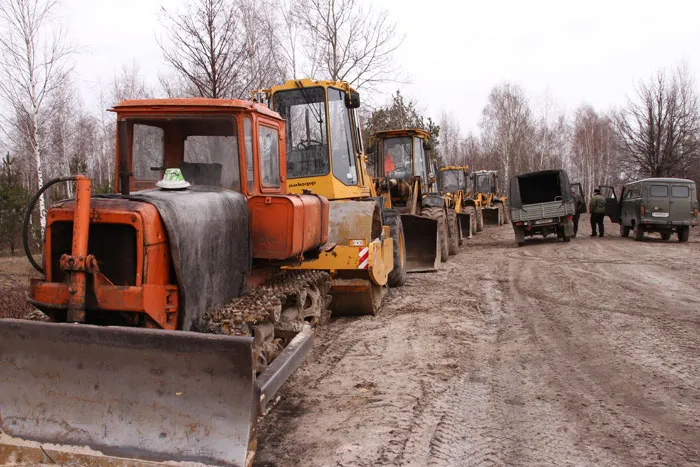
(580,208)
(597,209)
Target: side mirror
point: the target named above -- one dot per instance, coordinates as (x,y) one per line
(352,100)
(428,144)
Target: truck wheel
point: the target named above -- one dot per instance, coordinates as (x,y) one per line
(665,235)
(439,215)
(453,231)
(397,276)
(519,237)
(624,231)
(638,232)
(683,233)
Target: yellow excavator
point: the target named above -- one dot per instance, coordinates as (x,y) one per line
(400,159)
(325,156)
(453,187)
(486,197)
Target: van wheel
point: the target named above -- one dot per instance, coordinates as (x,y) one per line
(665,235)
(638,232)
(624,231)
(683,233)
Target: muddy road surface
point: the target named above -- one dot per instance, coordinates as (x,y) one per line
(554,354)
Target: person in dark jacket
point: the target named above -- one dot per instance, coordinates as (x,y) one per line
(597,209)
(580,208)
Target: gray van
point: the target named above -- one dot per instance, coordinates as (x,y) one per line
(663,205)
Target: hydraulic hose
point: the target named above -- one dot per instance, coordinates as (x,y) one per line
(28,216)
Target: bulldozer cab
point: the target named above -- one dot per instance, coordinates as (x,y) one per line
(211,141)
(323,141)
(453,179)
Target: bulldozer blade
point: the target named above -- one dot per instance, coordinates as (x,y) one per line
(421,239)
(464,223)
(492,216)
(129,392)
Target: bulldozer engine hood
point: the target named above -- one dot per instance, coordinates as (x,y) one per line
(209,242)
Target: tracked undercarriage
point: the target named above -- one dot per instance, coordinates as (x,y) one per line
(273,313)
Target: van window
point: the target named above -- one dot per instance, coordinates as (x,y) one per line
(658,191)
(679,191)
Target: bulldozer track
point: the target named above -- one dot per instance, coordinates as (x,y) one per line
(273,312)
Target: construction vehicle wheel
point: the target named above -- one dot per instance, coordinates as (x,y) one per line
(439,215)
(453,231)
(479,220)
(397,276)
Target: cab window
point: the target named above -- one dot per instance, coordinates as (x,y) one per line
(268,147)
(249,163)
(147,152)
(680,191)
(342,150)
(658,191)
(213,161)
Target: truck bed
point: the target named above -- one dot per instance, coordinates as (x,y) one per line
(531,212)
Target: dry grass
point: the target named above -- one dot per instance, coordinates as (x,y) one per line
(15,273)
(13,302)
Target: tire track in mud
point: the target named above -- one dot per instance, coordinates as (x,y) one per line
(509,357)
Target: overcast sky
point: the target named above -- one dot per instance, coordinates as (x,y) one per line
(454,52)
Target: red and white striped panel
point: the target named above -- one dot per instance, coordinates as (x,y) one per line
(364,258)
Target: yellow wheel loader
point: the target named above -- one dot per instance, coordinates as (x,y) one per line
(402,175)
(486,197)
(453,186)
(325,156)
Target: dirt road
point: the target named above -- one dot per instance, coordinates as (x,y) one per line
(555,354)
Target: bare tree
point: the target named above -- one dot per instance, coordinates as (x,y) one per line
(508,129)
(659,131)
(220,48)
(593,154)
(34,66)
(452,149)
(347,41)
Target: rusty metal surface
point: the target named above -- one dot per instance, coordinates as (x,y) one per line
(135,393)
(421,237)
(353,220)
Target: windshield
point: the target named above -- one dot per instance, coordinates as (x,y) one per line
(450,181)
(307,144)
(482,183)
(397,158)
(421,165)
(208,155)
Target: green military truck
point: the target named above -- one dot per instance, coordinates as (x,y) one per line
(541,203)
(661,205)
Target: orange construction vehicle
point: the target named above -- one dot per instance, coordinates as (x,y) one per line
(188,319)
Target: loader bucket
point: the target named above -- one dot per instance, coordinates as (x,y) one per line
(421,238)
(492,216)
(129,392)
(464,222)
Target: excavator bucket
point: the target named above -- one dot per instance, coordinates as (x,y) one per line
(128,392)
(492,216)
(464,222)
(421,238)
